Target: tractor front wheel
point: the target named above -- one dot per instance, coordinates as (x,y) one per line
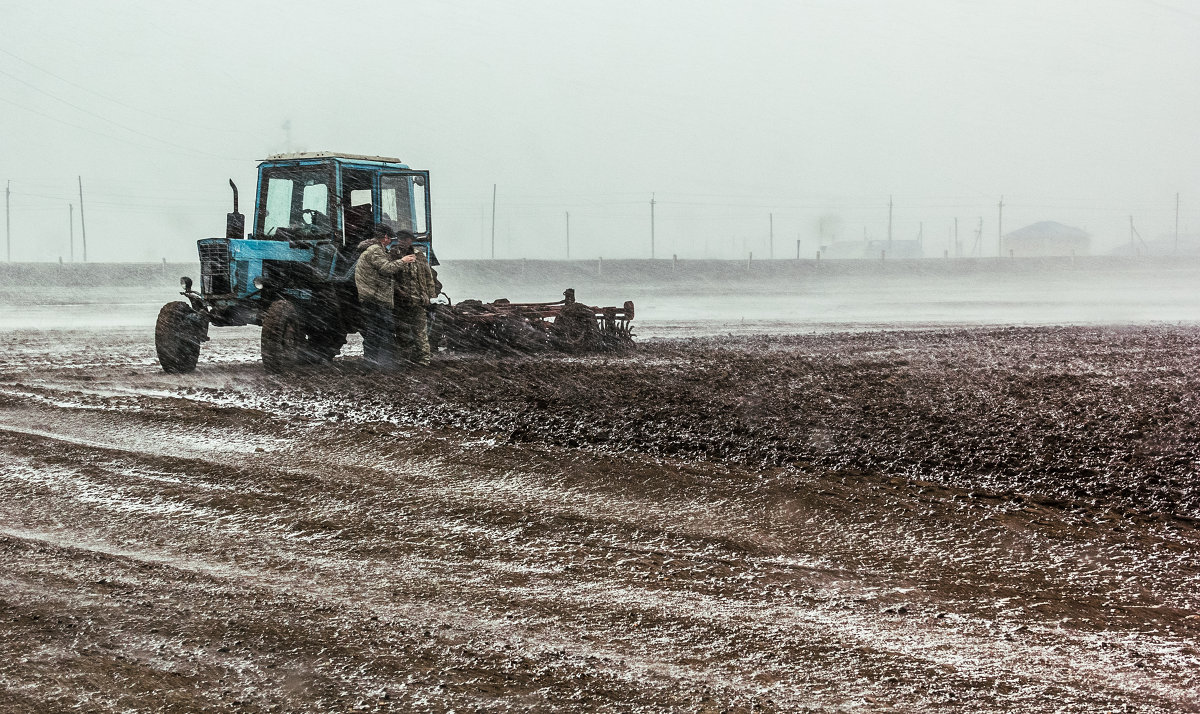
(177,337)
(282,338)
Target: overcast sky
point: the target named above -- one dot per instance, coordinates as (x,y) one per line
(1080,112)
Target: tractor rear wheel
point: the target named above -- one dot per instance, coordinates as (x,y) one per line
(177,337)
(282,340)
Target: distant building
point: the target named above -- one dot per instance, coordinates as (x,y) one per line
(1046,238)
(873,249)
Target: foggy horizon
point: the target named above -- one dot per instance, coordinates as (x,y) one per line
(726,115)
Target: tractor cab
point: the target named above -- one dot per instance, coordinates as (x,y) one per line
(338,199)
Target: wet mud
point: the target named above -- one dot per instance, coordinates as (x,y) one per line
(933,520)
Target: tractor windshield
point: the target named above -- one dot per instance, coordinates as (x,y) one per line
(295,199)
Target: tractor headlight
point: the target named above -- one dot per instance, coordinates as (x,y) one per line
(259,283)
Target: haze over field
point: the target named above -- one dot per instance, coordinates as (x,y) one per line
(962,483)
(726,112)
(714,299)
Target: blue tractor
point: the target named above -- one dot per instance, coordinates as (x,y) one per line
(294,273)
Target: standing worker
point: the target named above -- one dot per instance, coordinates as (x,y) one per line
(415,287)
(374,275)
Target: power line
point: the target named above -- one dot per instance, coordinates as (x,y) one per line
(72,125)
(118,102)
(119,125)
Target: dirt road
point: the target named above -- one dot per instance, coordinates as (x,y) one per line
(961,520)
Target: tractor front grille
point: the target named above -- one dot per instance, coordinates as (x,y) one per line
(214,269)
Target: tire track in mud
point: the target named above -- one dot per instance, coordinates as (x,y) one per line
(1004,535)
(681,606)
(330,585)
(1001,537)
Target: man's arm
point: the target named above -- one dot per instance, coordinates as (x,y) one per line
(379,260)
(433,287)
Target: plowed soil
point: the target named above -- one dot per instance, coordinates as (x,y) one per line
(930,520)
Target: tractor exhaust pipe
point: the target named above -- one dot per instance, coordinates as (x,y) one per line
(235,223)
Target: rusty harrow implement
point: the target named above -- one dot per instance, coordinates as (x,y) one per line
(523,327)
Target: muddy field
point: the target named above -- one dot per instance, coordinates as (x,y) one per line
(988,519)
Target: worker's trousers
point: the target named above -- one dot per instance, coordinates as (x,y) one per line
(378,326)
(412,333)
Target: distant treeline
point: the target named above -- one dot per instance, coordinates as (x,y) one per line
(634,273)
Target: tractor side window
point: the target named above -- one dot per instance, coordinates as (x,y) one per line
(298,200)
(403,204)
(279,204)
(358,209)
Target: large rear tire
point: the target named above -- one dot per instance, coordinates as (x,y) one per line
(282,339)
(177,337)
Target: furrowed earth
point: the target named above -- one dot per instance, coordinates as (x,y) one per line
(985,519)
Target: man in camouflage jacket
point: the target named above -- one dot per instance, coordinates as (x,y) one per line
(415,287)
(374,275)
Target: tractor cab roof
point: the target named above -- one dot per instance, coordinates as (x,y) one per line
(308,156)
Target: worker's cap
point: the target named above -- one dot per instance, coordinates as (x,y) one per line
(403,235)
(383,231)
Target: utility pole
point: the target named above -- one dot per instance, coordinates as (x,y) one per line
(72,207)
(7,223)
(1132,234)
(1000,231)
(771,244)
(1177,222)
(82,225)
(957,247)
(889,223)
(652,226)
(568,235)
(493,221)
